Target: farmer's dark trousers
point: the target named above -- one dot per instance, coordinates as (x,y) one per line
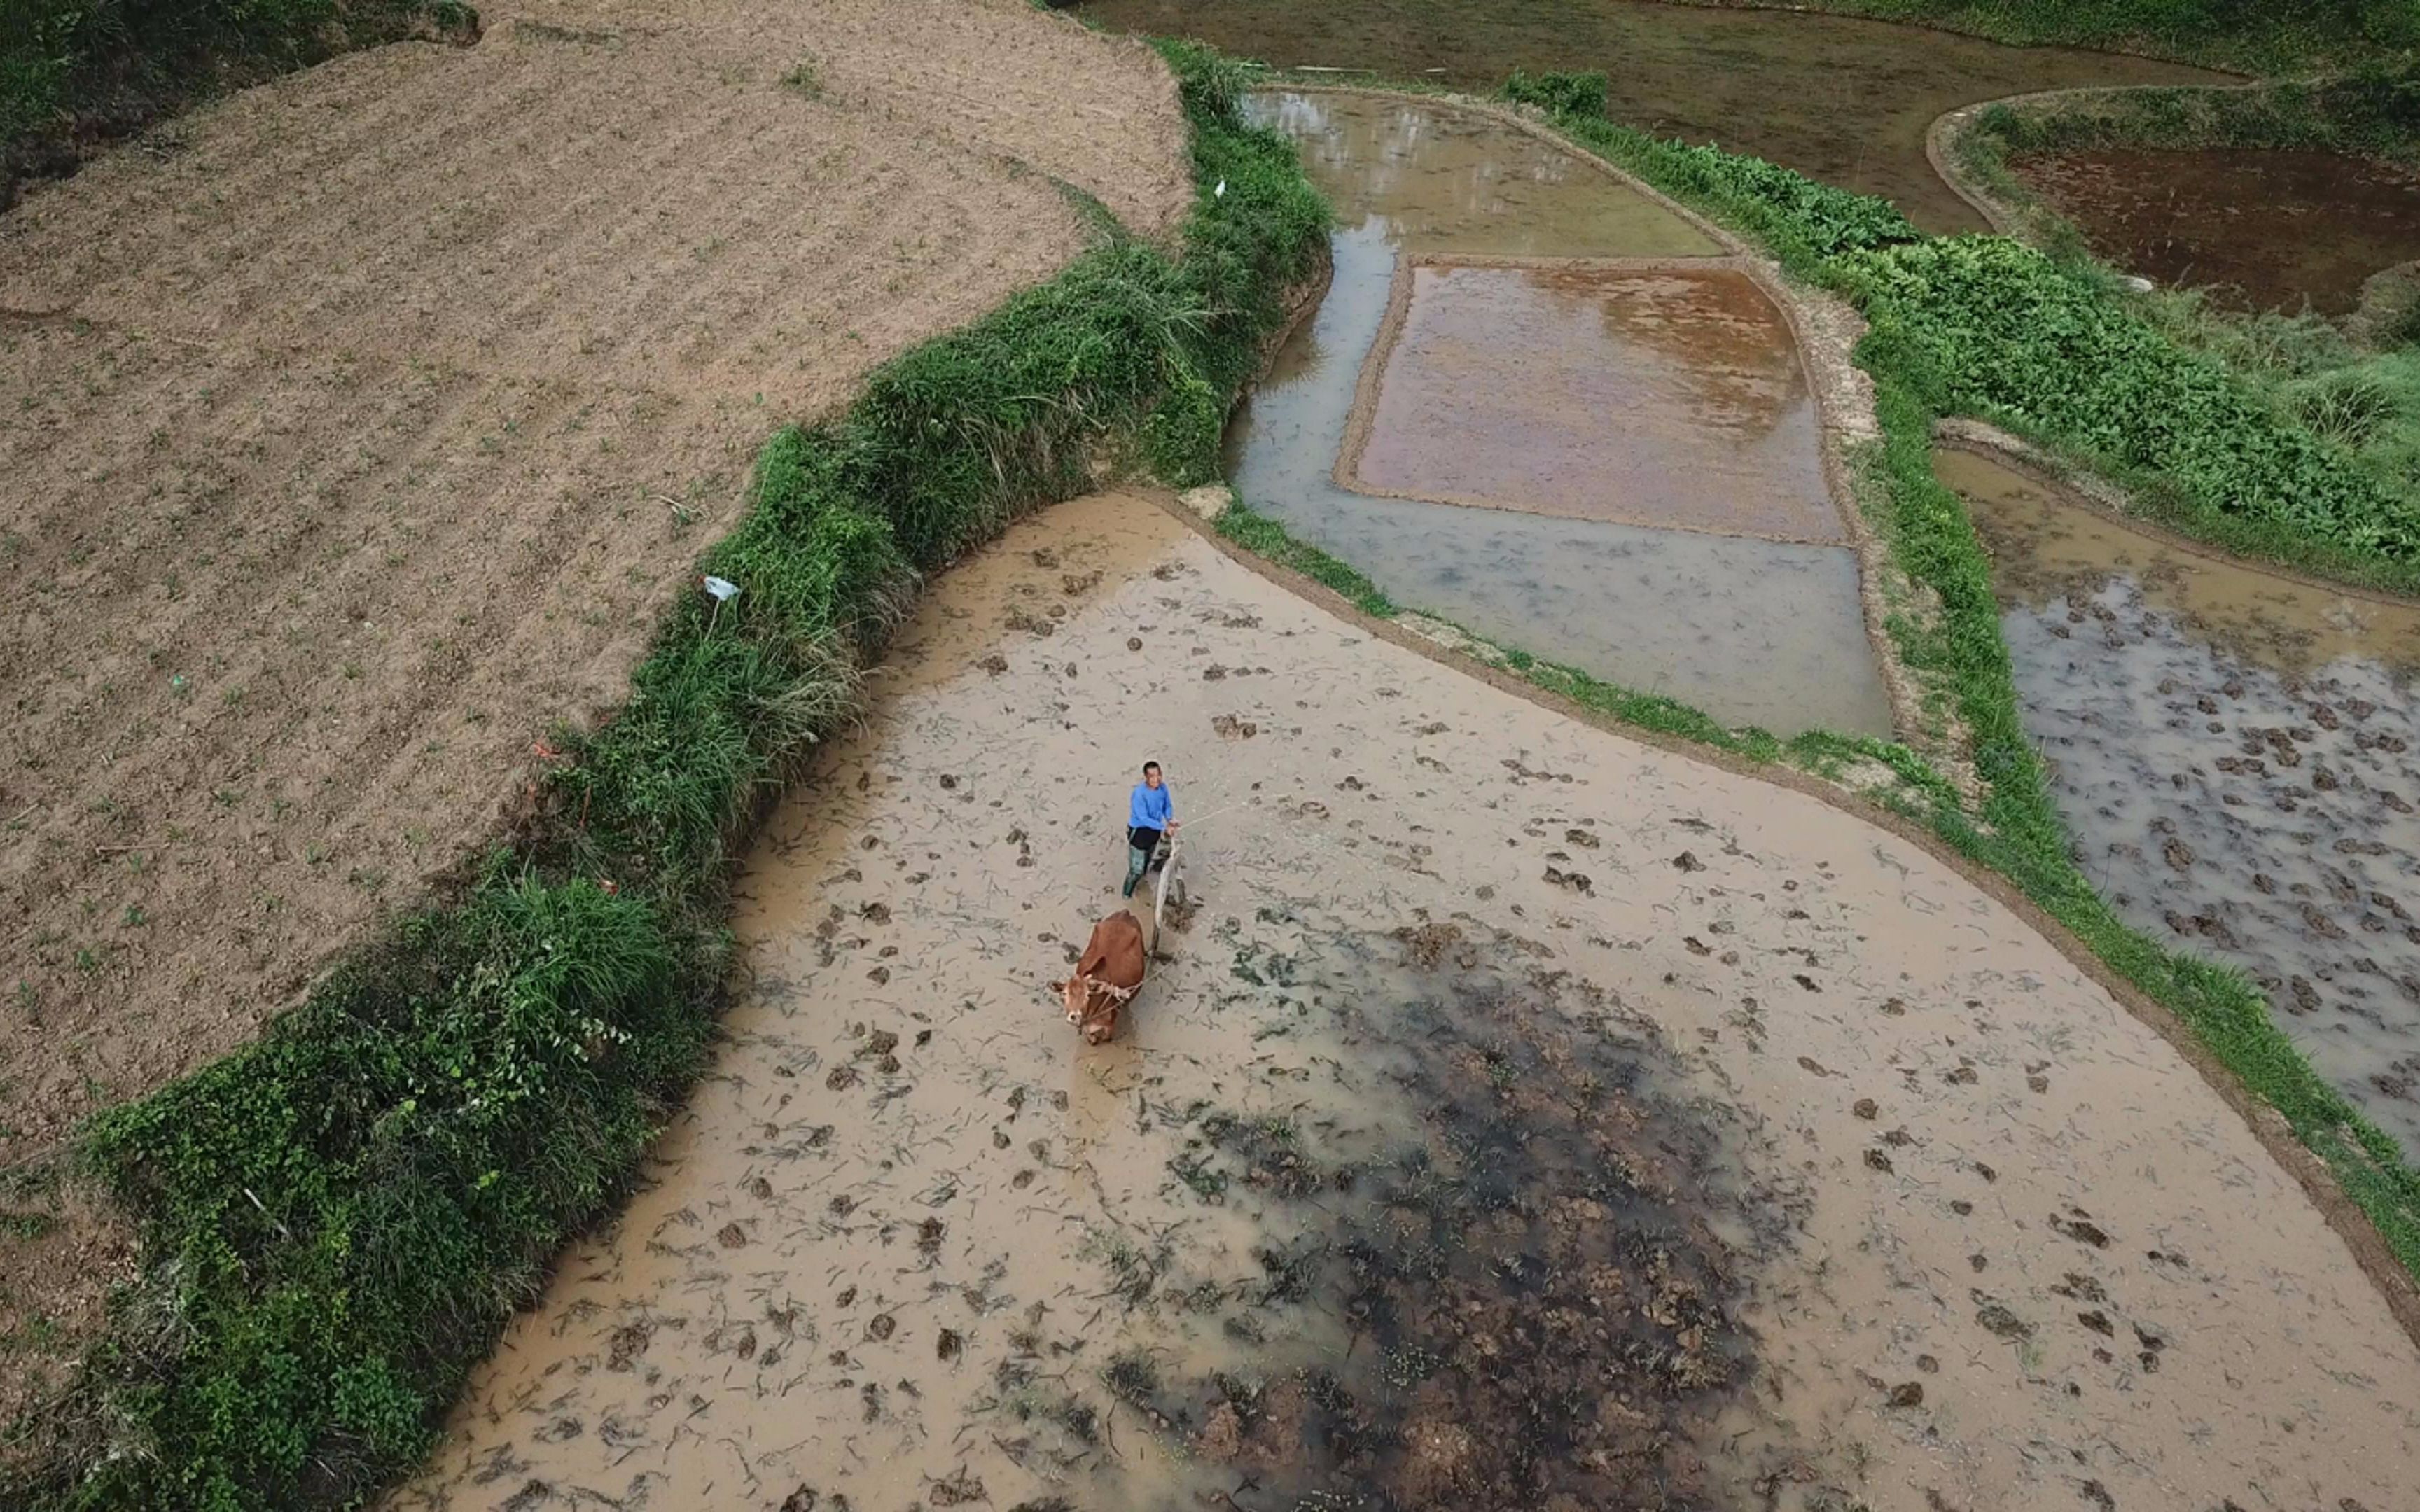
(1141,845)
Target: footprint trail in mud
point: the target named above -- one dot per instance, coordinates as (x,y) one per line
(2232,750)
(1722,1099)
(1507,1279)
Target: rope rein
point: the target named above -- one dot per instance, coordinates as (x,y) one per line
(1117,995)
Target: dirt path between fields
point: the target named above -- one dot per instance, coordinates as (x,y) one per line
(359,427)
(1793,1168)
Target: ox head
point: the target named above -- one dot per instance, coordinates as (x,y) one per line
(1075,994)
(1091,1006)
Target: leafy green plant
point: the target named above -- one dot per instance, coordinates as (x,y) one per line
(1992,328)
(2346,382)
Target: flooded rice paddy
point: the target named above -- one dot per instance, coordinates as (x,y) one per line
(1844,101)
(1754,632)
(1517,1118)
(1655,393)
(2232,751)
(2266,230)
(1446,180)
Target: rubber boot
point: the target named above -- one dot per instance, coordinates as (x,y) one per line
(1136,861)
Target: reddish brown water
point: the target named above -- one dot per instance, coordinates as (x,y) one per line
(1841,99)
(1656,395)
(2270,230)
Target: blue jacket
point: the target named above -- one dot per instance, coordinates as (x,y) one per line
(1151,808)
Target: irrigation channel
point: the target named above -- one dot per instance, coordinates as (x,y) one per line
(1693,549)
(2233,749)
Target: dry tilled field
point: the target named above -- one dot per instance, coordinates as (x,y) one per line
(359,427)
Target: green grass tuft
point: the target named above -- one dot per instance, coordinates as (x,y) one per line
(1574,94)
(1264,537)
(2349,407)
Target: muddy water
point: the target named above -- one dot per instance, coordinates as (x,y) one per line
(2232,751)
(2267,230)
(1450,181)
(1658,396)
(1840,100)
(910,1243)
(1496,1169)
(1656,609)
(1516,1103)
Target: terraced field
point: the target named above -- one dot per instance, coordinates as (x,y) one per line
(363,425)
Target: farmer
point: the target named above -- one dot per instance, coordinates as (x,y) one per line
(1150,812)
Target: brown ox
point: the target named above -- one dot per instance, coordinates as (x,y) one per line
(1107,975)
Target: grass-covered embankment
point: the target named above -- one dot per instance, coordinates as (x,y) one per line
(339,1218)
(77,72)
(1989,328)
(2355,381)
